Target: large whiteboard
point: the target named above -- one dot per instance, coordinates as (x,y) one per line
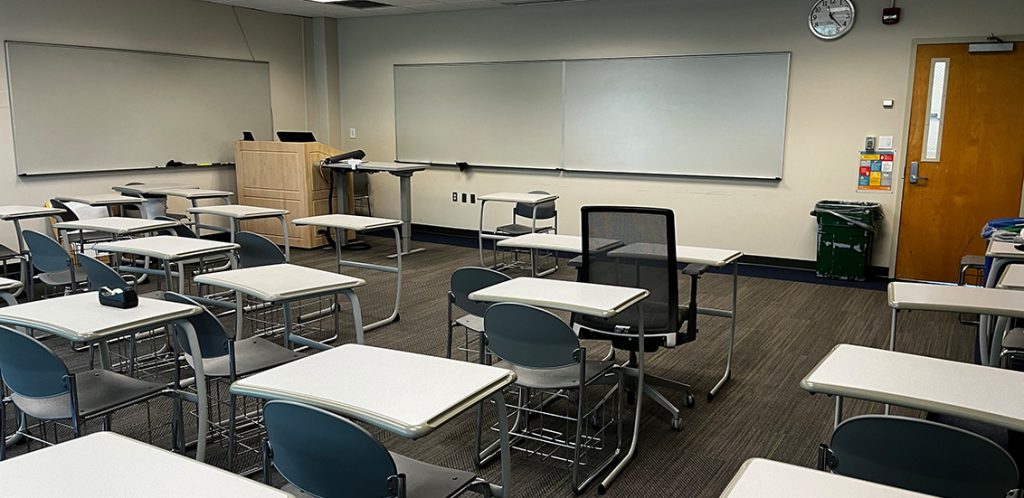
(706,115)
(506,114)
(80,109)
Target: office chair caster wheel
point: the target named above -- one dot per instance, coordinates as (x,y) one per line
(677,424)
(690,401)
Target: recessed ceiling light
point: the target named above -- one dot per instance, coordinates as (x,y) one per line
(355,4)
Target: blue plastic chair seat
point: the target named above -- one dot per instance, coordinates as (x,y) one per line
(99,391)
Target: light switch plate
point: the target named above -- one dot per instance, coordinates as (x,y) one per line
(351,133)
(885,142)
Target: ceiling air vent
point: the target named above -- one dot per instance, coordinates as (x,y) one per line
(532,2)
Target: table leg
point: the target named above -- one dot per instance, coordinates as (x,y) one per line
(603,486)
(287,244)
(405,199)
(732,333)
(480,233)
(22,259)
(357,314)
(839,412)
(985,321)
(505,490)
(892,330)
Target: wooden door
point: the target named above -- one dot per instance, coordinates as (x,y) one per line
(973,171)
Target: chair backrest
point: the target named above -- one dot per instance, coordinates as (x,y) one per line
(180,230)
(545,210)
(29,368)
(326,455)
(213,337)
(529,336)
(100,275)
(48,255)
(922,456)
(256,250)
(67,215)
(643,256)
(469,279)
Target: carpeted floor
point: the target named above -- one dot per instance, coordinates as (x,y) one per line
(784,329)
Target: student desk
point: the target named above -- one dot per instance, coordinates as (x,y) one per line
(194,196)
(284,284)
(533,200)
(955,299)
(171,250)
(715,258)
(154,202)
(109,465)
(8,289)
(551,242)
(102,200)
(80,318)
(407,394)
(604,301)
(1012,278)
(116,226)
(975,392)
(761,478)
(15,214)
(404,173)
(238,213)
(341,222)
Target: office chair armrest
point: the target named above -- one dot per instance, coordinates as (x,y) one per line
(695,270)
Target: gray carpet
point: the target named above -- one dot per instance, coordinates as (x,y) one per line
(784,329)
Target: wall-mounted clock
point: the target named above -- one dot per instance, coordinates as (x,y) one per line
(830,19)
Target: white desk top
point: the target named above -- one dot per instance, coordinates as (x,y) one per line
(8,285)
(552,242)
(116,225)
(238,211)
(9,213)
(999,249)
(955,299)
(406,393)
(578,297)
(684,254)
(81,317)
(760,478)
(193,193)
(985,394)
(347,221)
(108,465)
(283,282)
(1012,278)
(518,197)
(99,199)
(167,247)
(376,166)
(150,188)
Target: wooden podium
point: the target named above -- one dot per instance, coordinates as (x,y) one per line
(285,175)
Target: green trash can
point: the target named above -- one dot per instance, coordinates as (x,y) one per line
(846,231)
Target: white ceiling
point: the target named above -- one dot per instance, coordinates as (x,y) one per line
(309,8)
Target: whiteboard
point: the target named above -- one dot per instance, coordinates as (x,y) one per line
(492,114)
(719,115)
(78,109)
(703,115)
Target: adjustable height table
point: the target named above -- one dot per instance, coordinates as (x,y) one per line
(404,173)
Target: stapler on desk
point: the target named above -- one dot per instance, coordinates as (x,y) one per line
(119,298)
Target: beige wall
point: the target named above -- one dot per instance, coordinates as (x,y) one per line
(175,26)
(836,91)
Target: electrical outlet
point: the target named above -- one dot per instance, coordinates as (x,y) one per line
(464,197)
(351,133)
(455,197)
(472,198)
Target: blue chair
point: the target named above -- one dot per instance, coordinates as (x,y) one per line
(256,250)
(41,386)
(225,358)
(323,454)
(464,282)
(51,261)
(550,363)
(98,274)
(919,455)
(180,230)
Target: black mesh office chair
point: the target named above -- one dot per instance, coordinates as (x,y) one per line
(643,256)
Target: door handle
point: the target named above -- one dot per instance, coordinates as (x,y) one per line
(914,177)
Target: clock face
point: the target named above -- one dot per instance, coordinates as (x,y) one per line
(830,19)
